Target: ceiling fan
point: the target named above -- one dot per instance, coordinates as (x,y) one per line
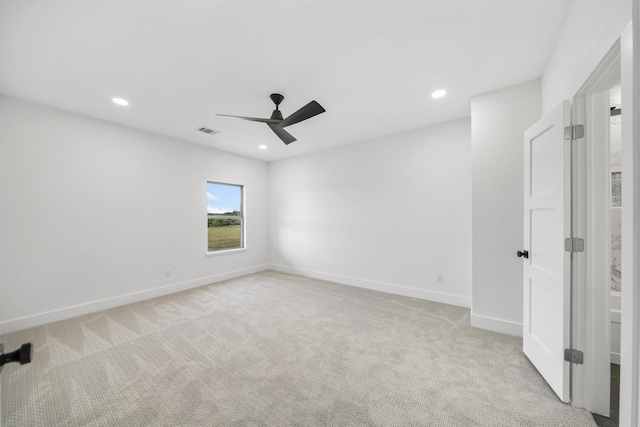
(277,123)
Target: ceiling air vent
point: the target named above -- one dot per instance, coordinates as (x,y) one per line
(207,130)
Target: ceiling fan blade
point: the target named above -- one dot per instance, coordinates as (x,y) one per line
(285,136)
(306,112)
(253,119)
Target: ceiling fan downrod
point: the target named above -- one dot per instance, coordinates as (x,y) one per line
(277,99)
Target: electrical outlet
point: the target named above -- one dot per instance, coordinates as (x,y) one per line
(290,257)
(440,278)
(167,273)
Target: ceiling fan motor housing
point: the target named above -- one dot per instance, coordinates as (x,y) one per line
(276,115)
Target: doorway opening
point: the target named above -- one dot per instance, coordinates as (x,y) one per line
(615,251)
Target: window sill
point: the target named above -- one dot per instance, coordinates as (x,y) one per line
(228,251)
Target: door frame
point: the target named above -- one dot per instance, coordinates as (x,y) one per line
(630,304)
(630,316)
(591,219)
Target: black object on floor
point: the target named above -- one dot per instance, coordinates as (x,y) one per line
(22,355)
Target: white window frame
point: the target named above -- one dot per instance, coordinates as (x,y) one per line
(243,244)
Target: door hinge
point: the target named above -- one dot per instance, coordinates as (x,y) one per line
(574,132)
(573,244)
(573,356)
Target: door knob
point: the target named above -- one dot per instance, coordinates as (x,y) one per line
(523,254)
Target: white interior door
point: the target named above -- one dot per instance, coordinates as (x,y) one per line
(546,273)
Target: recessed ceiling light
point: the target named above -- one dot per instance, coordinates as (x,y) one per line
(120,101)
(439,93)
(262,147)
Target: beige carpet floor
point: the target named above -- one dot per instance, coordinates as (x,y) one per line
(272,349)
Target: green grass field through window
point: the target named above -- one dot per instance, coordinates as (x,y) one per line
(226,237)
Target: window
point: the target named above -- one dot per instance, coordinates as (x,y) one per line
(225,217)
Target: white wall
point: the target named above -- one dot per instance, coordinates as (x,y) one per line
(498,122)
(591,28)
(92,212)
(389,214)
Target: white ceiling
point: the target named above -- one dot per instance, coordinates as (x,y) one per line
(372,64)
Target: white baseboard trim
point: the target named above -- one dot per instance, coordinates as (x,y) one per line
(13,325)
(378,286)
(496,325)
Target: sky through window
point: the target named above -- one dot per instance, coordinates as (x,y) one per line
(222,198)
